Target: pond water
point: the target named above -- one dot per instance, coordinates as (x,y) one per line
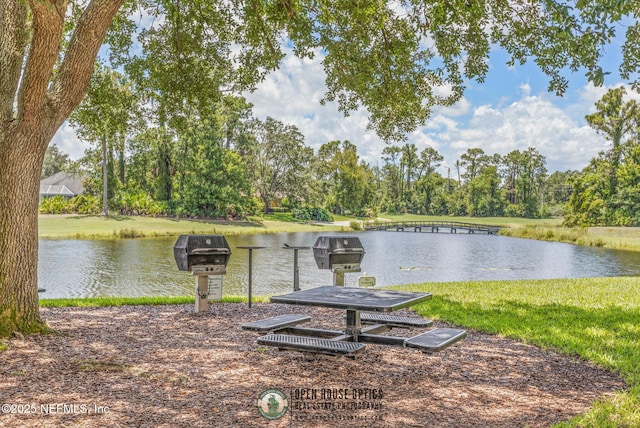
(146,267)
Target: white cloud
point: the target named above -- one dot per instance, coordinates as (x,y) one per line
(69,143)
(292,95)
(532,121)
(591,94)
(461,108)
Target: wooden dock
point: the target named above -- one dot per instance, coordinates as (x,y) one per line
(432,227)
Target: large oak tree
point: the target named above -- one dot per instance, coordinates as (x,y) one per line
(42,79)
(397,59)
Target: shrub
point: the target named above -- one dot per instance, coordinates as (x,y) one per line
(366,213)
(85,204)
(81,204)
(54,205)
(355,225)
(128,233)
(129,202)
(314,213)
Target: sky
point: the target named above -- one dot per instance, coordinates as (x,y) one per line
(511,110)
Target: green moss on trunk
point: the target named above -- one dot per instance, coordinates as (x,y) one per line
(11,323)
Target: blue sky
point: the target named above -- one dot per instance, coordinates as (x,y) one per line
(510,110)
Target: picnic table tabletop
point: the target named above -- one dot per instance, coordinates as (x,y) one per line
(355,299)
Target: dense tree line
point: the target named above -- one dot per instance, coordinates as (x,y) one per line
(607,191)
(482,185)
(229,164)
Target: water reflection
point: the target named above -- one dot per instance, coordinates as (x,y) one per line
(145,267)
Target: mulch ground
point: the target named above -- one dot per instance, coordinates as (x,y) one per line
(164,366)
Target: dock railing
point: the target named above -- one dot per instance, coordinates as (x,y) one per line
(432,226)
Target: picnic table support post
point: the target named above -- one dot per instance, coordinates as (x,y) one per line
(354,325)
(250,248)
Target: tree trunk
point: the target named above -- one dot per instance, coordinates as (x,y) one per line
(20,164)
(37,94)
(105,179)
(121,160)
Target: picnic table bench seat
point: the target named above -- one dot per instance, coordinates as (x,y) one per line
(394,321)
(435,340)
(276,323)
(311,344)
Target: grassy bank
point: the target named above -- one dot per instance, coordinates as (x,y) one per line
(619,238)
(100,227)
(109,227)
(597,319)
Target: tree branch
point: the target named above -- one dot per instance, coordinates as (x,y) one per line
(13,43)
(72,82)
(48,23)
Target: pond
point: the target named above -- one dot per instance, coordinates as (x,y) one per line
(146,267)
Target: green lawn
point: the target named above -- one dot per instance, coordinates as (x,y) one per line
(85,226)
(597,319)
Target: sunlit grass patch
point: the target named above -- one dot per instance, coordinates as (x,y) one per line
(110,227)
(597,319)
(609,237)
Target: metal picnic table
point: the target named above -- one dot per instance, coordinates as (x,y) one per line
(286,335)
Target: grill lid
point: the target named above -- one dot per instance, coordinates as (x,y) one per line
(330,251)
(200,250)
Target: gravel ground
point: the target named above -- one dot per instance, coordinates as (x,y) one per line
(164,366)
